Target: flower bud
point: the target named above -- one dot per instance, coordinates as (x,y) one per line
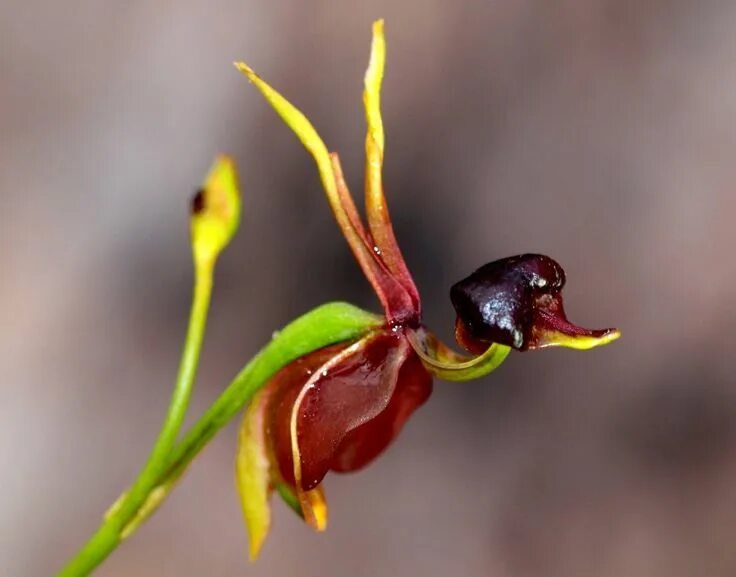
(215,210)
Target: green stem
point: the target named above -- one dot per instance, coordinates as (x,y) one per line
(328,324)
(113,529)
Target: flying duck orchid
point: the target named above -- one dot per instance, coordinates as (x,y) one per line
(339,407)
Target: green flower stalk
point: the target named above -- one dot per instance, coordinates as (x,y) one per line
(214,221)
(334,388)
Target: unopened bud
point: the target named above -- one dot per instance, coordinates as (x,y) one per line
(215,210)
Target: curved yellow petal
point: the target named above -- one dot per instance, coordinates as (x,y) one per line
(328,367)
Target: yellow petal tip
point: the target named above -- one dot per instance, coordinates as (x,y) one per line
(580,342)
(255,549)
(314,507)
(320,516)
(245,69)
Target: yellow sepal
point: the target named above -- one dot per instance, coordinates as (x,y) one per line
(252,475)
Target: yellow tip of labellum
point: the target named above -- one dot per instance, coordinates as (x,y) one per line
(215,210)
(582,342)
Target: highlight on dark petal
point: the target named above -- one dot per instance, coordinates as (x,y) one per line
(348,391)
(337,409)
(517,301)
(363,444)
(285,388)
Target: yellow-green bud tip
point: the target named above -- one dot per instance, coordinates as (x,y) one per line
(215,210)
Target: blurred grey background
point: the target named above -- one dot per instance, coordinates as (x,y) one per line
(601,132)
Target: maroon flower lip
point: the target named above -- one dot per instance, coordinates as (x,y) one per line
(517,301)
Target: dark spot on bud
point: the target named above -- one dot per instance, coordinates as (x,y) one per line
(499,302)
(198,204)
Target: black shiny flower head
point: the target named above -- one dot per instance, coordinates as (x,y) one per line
(517,301)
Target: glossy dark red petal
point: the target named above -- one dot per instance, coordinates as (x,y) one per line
(347,392)
(285,387)
(363,444)
(345,404)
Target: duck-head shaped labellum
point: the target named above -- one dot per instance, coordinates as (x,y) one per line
(338,408)
(517,301)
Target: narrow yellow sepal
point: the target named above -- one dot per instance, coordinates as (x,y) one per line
(336,191)
(372,93)
(252,475)
(311,140)
(375,138)
(303,129)
(215,211)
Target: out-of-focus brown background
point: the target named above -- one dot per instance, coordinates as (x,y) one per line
(600,132)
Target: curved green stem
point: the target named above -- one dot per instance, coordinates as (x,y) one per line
(323,326)
(113,529)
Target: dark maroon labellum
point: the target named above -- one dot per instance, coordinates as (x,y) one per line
(499,301)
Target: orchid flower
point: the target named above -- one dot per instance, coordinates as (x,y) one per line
(339,407)
(334,387)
